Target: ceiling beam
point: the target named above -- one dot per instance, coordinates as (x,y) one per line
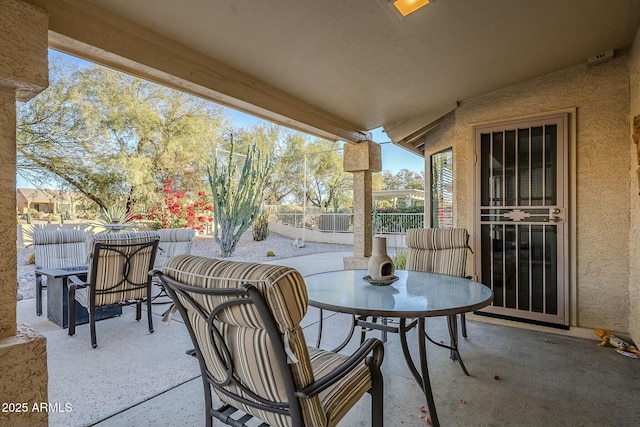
(85,30)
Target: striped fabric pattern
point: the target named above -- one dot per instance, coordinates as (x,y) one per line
(60,248)
(121,281)
(438,250)
(253,354)
(173,241)
(337,400)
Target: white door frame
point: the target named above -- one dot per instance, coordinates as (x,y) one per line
(569,184)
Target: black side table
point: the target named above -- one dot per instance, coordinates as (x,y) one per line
(58,297)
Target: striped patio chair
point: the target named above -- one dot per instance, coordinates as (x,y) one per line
(119,265)
(244,321)
(173,241)
(439,250)
(57,249)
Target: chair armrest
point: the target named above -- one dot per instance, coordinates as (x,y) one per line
(75,282)
(370,345)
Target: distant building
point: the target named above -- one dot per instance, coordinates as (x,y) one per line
(47,201)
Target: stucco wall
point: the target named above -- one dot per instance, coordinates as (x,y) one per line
(600,95)
(634,217)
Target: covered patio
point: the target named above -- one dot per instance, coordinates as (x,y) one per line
(518,376)
(452,76)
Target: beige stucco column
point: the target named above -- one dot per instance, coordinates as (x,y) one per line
(361,159)
(23,74)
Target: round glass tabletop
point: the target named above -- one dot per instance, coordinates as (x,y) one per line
(414,294)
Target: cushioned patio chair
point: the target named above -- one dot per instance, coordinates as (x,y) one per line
(173,241)
(439,250)
(119,265)
(57,249)
(244,321)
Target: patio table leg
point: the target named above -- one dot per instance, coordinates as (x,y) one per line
(320,324)
(344,343)
(422,378)
(453,348)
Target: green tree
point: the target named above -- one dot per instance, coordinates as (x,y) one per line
(280,144)
(404,179)
(286,181)
(115,138)
(328,185)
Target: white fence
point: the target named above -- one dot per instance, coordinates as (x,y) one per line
(383,223)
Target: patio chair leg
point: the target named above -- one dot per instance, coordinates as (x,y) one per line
(377,388)
(92,321)
(463,324)
(377,406)
(72,310)
(453,335)
(138,310)
(149,315)
(38,295)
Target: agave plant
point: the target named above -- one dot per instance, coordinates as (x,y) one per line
(114,218)
(114,215)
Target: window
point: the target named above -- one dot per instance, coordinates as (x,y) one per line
(442,189)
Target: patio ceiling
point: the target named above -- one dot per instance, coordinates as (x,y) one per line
(338,68)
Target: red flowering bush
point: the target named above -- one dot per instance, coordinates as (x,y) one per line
(176,211)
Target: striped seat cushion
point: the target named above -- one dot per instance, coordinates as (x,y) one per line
(124,281)
(173,241)
(60,248)
(252,351)
(438,250)
(338,399)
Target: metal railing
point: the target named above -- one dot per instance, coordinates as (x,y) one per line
(383,223)
(397,223)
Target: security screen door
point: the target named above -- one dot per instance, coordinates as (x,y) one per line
(521,193)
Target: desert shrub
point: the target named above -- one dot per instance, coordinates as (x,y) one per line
(178,211)
(261,226)
(400,260)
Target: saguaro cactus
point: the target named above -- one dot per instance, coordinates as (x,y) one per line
(237,197)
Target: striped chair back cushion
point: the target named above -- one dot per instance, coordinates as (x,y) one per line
(60,248)
(438,250)
(173,241)
(120,277)
(243,330)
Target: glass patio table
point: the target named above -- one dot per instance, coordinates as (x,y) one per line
(415,295)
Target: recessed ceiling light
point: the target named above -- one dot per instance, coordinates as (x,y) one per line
(406,7)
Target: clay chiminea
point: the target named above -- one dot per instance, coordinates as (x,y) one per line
(380,265)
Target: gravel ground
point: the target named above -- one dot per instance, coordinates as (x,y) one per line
(246,250)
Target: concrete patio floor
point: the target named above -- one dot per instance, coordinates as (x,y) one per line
(519,377)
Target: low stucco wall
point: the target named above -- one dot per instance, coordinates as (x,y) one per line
(393,240)
(311,235)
